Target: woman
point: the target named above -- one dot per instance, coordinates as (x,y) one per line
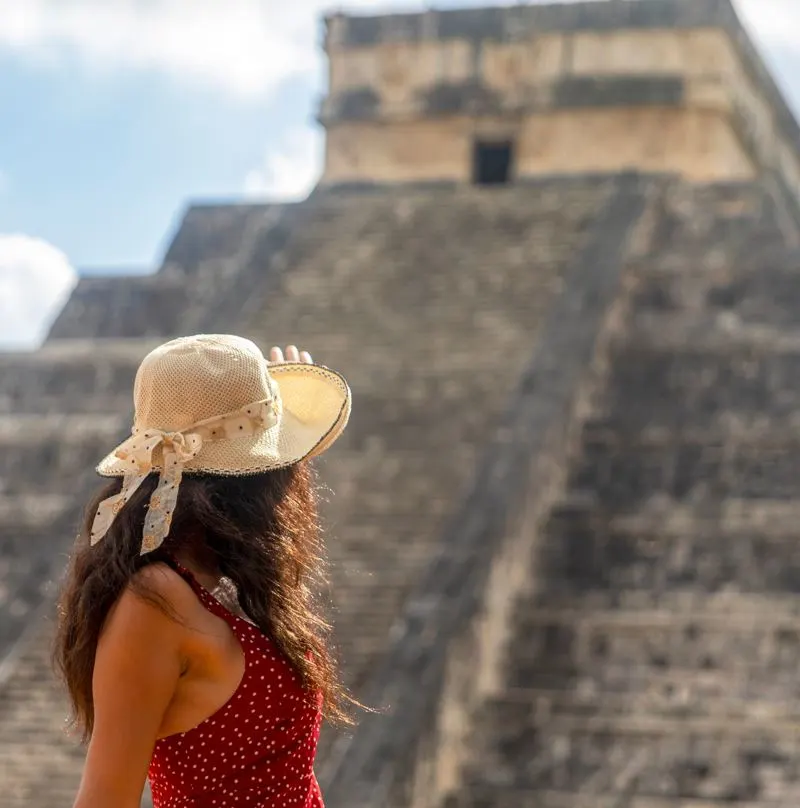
(189,637)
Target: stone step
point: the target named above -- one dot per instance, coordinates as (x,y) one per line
(537,705)
(681,603)
(693,387)
(503,724)
(211,233)
(603,649)
(773,518)
(746,546)
(35,533)
(739,605)
(42,762)
(42,453)
(765,253)
(686,759)
(72,376)
(722,333)
(33,512)
(120,306)
(672,687)
(34,530)
(756,615)
(762,287)
(691,223)
(624,475)
(725,260)
(481,795)
(613,430)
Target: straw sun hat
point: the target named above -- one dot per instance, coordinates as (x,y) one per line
(212,403)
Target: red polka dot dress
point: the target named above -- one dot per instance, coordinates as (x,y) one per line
(257,751)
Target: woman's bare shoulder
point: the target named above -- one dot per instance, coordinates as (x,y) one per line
(156,597)
(161,580)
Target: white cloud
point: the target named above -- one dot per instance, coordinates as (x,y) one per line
(774,22)
(243,47)
(290,171)
(35,281)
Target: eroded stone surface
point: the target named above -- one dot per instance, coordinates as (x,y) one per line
(654,660)
(429,303)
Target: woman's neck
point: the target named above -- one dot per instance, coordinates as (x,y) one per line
(201,562)
(195,555)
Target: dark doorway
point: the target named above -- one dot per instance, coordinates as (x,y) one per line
(492,162)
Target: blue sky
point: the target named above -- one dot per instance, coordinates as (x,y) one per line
(116,113)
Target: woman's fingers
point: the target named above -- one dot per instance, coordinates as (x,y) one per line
(277,357)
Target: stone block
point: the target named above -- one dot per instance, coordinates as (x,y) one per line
(619,91)
(146,306)
(657,759)
(702,555)
(616,652)
(38,452)
(356,105)
(497,23)
(71,376)
(460,98)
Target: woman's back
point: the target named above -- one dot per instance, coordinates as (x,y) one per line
(258,749)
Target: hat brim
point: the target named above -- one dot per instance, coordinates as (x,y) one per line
(316,403)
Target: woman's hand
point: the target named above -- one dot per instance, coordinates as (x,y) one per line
(276,355)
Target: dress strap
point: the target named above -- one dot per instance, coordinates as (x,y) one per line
(186,574)
(206,598)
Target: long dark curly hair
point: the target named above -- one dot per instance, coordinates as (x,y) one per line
(262,532)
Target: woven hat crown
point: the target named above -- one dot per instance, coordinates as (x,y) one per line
(209,404)
(191,379)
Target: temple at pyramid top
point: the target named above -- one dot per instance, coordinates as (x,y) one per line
(504,94)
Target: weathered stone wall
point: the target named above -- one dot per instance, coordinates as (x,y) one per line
(60,408)
(409,94)
(411,294)
(402,73)
(479,270)
(652,663)
(696,143)
(136,306)
(445,645)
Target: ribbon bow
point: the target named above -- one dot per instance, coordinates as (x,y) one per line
(177,449)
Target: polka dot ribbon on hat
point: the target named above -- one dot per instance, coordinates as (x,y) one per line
(178,448)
